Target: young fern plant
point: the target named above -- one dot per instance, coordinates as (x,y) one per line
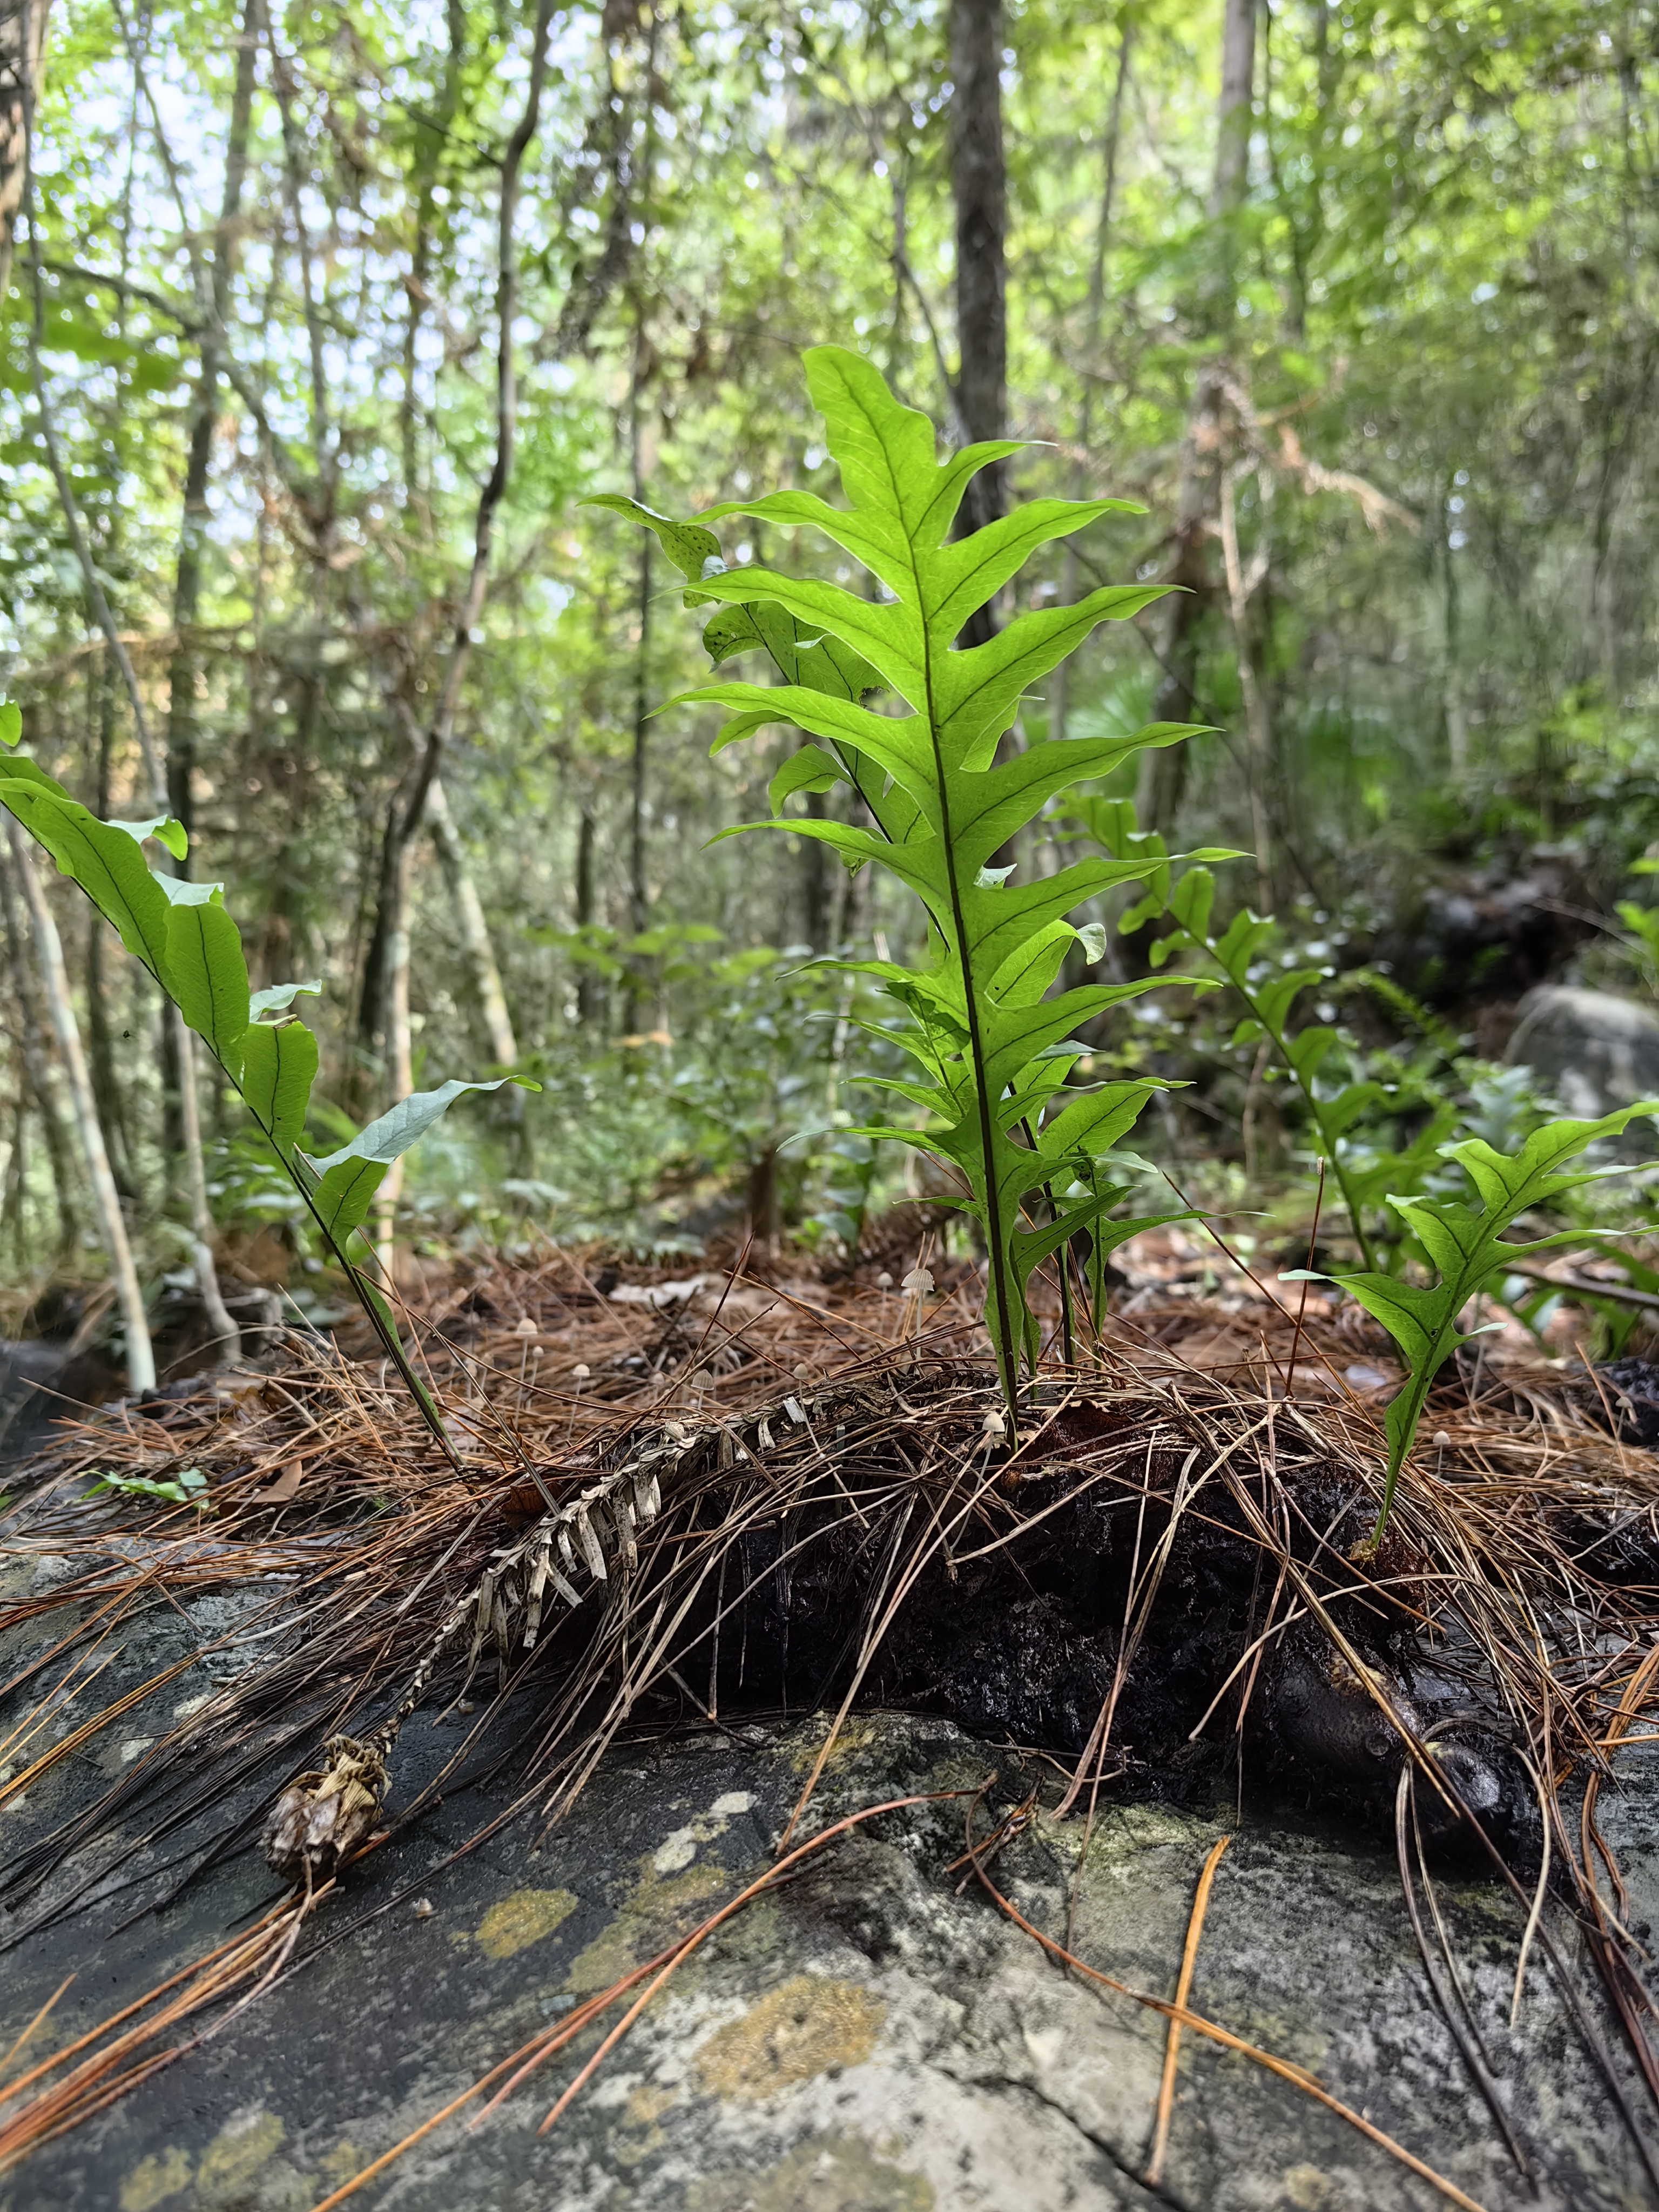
(994,1051)
(1466,1247)
(1233,956)
(181,935)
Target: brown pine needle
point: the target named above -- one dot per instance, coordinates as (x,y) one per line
(35,2022)
(1183,1984)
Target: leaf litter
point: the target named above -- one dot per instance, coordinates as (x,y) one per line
(806,1469)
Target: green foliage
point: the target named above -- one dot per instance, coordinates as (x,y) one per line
(1467,1248)
(1237,954)
(994,1049)
(656,1135)
(188,1487)
(183,935)
(1643,923)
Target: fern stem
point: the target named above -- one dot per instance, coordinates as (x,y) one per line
(1005,1341)
(1304,1083)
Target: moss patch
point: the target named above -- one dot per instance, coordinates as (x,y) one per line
(524,1918)
(153,2180)
(805,2026)
(652,1918)
(236,2155)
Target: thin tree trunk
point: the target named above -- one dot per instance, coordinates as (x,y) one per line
(1258,718)
(1163,769)
(979,187)
(475,931)
(1060,682)
(435,133)
(392,924)
(815,880)
(185,668)
(1457,720)
(44,1079)
(49,954)
(23,39)
(224,1336)
(589,990)
(201,1220)
(639,888)
(106,1084)
(400,1054)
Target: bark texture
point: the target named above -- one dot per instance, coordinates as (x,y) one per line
(1163,772)
(49,956)
(184,671)
(22,40)
(979,186)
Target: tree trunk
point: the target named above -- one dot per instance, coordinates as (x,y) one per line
(44,1082)
(1059,682)
(156,773)
(589,997)
(106,1084)
(979,187)
(1164,770)
(185,669)
(22,37)
(389,943)
(639,888)
(475,932)
(1258,713)
(433,135)
(815,878)
(224,1334)
(399,1055)
(49,953)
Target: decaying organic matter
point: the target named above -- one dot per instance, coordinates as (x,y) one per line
(1164,1590)
(323,1817)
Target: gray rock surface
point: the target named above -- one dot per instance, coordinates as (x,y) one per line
(1592,1050)
(874,2037)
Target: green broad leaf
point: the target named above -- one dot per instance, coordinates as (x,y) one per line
(279,997)
(347,1179)
(1036,1245)
(1535,1174)
(343,1194)
(182,890)
(1411,1315)
(11,722)
(731,631)
(165,830)
(104,861)
(822,664)
(405,1124)
(688,544)
(1093,1121)
(810,770)
(207,975)
(279,1066)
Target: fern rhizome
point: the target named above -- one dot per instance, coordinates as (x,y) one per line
(913,721)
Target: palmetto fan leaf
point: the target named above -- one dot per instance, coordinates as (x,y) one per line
(994,1049)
